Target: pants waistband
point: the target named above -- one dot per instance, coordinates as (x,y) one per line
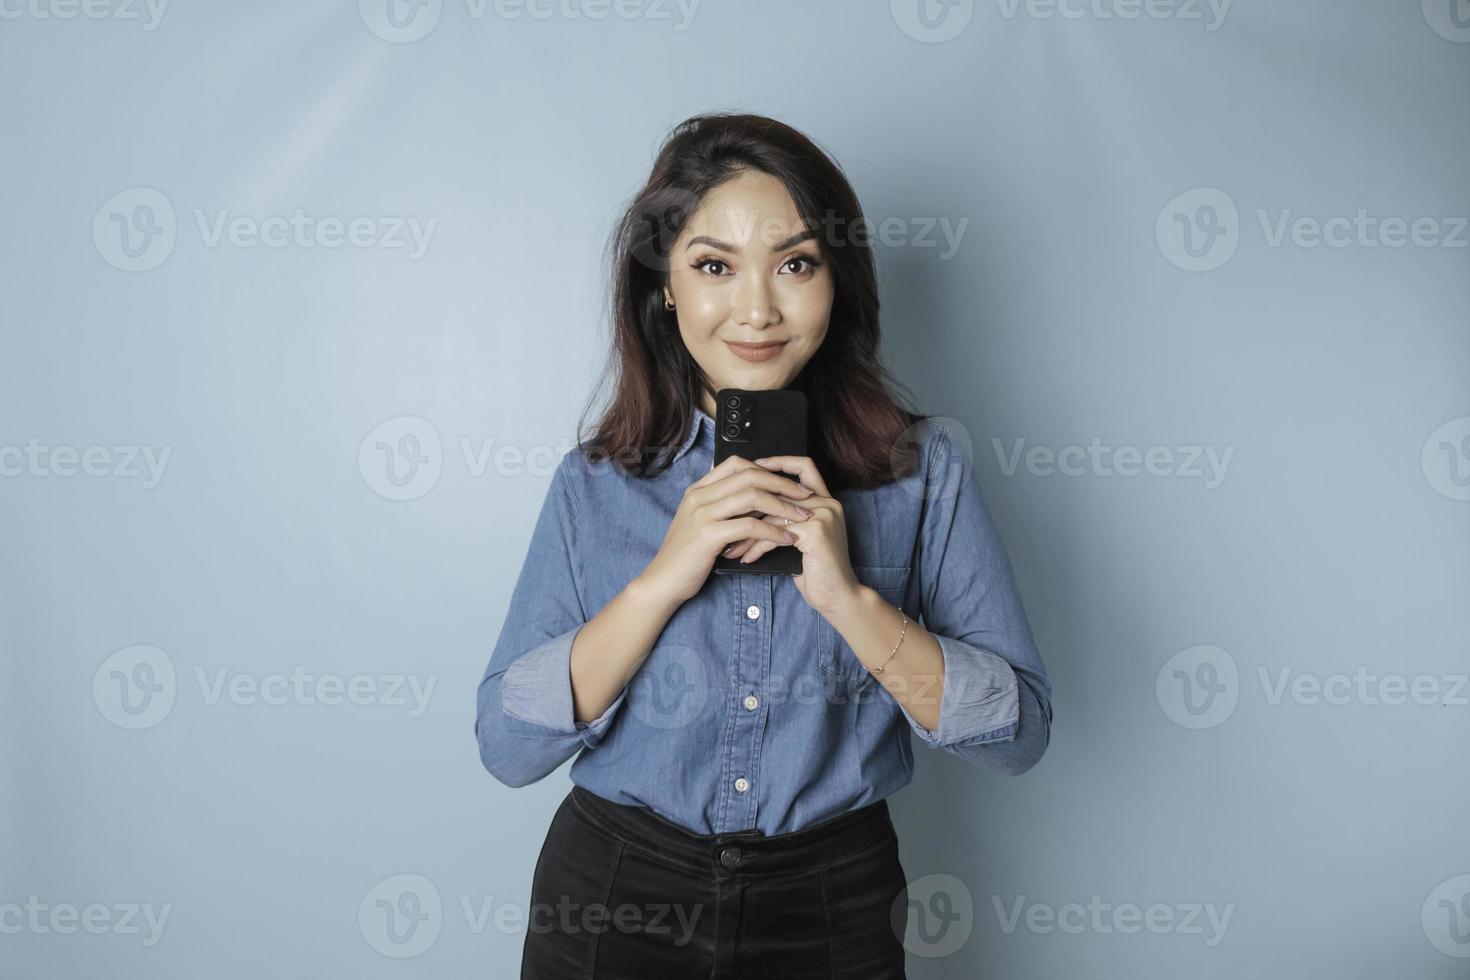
(745,852)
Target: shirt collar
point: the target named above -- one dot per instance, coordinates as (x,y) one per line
(697,424)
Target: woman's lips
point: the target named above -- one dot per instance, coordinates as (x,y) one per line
(756,352)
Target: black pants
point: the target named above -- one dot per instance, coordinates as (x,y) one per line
(620,893)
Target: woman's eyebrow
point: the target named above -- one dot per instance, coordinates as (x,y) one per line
(800,236)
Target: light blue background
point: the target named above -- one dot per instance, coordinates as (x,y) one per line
(1336,540)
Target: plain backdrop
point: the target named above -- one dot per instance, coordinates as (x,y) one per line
(300,303)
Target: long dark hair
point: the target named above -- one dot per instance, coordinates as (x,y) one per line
(858,412)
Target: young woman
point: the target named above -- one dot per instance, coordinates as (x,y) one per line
(737,734)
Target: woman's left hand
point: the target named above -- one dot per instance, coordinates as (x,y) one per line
(826,582)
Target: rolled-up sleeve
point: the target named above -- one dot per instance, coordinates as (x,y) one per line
(525,723)
(996,703)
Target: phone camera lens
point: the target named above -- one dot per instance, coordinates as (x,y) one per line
(732,401)
(732,431)
(732,416)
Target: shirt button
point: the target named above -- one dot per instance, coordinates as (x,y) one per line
(742,784)
(752,612)
(729,856)
(752,702)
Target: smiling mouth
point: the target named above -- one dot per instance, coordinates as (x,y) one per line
(756,352)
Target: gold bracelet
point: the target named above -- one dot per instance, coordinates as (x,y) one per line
(879,669)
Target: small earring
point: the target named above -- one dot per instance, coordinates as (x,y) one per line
(668,303)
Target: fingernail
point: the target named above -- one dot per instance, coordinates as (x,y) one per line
(803,512)
(789,536)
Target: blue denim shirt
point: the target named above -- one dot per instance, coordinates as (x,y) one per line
(750,711)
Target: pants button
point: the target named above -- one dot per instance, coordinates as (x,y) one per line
(730,856)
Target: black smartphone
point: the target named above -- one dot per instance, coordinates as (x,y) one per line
(753,425)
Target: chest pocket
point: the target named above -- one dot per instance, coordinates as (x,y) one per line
(835,656)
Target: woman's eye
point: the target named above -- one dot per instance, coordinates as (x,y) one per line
(706,263)
(798,260)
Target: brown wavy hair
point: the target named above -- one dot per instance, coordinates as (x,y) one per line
(858,413)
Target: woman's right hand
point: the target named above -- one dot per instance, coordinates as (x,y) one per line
(721,508)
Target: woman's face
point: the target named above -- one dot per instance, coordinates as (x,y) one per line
(750,286)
